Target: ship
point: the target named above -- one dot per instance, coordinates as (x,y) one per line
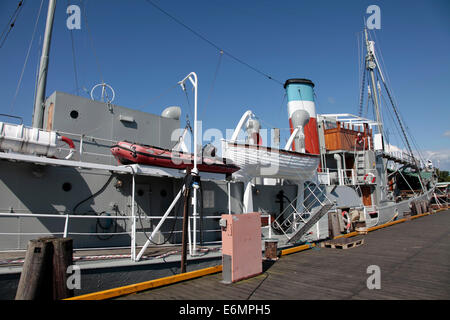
(335,175)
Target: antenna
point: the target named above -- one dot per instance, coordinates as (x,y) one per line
(104,92)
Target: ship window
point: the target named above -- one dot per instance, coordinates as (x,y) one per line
(74,114)
(163,193)
(140,192)
(67,186)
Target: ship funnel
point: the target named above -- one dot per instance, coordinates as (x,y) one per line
(300,95)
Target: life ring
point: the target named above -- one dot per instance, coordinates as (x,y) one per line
(371,179)
(347,220)
(71,146)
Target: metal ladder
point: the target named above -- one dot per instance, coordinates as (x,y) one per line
(311,222)
(360,166)
(308,216)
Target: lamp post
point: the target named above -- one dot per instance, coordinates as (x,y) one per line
(193,79)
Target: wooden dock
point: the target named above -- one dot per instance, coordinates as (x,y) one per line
(413,258)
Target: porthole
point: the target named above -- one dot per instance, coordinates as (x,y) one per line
(163,193)
(140,192)
(67,186)
(74,114)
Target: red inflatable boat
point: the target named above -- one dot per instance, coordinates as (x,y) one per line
(130,153)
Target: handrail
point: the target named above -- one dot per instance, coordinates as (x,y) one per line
(345,180)
(82,139)
(67,217)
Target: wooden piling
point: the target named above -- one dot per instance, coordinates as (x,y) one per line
(35,280)
(44,270)
(62,259)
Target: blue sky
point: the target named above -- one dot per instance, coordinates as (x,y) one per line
(142,53)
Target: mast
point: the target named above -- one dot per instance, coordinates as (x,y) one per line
(371,65)
(39,102)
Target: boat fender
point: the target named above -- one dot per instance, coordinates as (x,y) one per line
(347,220)
(369,177)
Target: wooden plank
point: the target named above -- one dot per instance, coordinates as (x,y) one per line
(343,244)
(111,293)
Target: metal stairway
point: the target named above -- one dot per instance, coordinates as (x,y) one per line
(311,222)
(317,204)
(360,167)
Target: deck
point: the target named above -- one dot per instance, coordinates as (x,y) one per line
(413,257)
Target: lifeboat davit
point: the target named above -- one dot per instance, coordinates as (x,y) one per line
(131,153)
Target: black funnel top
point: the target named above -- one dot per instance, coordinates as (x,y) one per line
(290,81)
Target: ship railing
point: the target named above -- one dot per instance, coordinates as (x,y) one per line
(302,210)
(65,232)
(402,156)
(84,139)
(344,177)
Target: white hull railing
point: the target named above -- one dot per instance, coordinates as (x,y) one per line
(401,155)
(342,177)
(69,217)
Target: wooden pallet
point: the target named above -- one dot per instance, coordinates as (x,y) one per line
(343,243)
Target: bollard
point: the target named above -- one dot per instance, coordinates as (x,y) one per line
(270,252)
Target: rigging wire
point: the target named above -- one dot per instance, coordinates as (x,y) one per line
(366,113)
(153,100)
(359,71)
(393,100)
(91,40)
(213,44)
(189,104)
(395,125)
(27,56)
(213,82)
(361,97)
(282,103)
(11,23)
